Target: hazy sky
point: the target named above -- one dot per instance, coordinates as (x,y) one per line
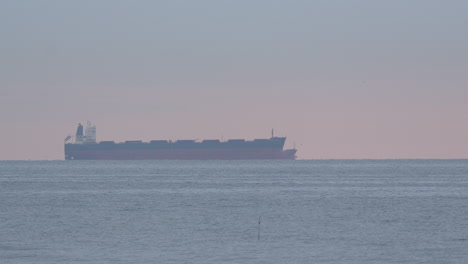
(342,79)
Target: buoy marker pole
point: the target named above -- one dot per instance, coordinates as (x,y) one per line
(259,221)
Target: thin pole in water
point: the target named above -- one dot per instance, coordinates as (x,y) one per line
(259,221)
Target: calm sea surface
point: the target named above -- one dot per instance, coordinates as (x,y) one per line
(338,211)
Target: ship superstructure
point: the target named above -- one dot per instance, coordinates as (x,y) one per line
(86,147)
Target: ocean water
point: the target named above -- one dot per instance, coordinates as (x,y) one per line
(336,211)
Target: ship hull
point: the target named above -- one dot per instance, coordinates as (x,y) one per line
(235,149)
(180,154)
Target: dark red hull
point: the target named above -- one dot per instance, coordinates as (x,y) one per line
(182,154)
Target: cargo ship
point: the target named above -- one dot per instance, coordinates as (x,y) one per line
(85,147)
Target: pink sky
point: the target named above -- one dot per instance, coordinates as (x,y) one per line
(341,79)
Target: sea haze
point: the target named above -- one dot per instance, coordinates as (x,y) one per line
(336,211)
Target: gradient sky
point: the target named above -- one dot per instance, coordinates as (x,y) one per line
(342,79)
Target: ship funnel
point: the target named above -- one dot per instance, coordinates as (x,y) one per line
(79,134)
